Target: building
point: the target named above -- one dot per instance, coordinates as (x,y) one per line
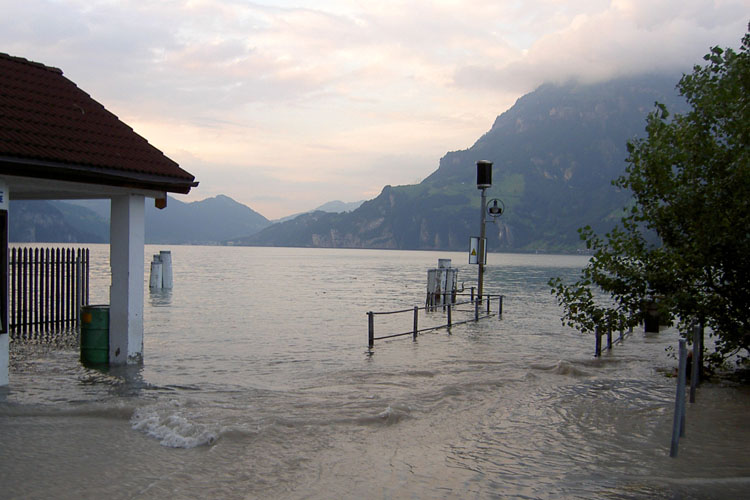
(57,143)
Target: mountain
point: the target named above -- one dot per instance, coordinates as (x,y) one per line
(209,221)
(335,206)
(53,221)
(555,153)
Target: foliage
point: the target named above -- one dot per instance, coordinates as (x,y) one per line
(686,239)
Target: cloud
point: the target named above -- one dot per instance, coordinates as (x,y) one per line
(627,37)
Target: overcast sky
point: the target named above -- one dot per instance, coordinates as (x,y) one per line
(284,105)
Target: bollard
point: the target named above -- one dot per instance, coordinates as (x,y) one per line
(370,329)
(449,316)
(166,271)
(678,424)
(416,323)
(155,278)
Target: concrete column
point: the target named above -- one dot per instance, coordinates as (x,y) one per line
(126,249)
(4,337)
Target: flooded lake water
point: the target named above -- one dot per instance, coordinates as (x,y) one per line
(257,383)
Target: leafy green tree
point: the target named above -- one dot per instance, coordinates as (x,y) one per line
(685,240)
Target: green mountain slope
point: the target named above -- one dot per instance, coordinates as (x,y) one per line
(555,153)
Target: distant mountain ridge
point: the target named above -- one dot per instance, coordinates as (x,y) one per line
(210,221)
(555,153)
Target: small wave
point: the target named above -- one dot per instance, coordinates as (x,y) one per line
(172,428)
(564,368)
(391,415)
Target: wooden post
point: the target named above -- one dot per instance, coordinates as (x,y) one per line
(678,424)
(370,329)
(416,323)
(449,316)
(598,348)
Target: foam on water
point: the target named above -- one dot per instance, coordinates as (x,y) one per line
(173,426)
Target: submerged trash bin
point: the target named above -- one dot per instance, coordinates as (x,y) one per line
(95,334)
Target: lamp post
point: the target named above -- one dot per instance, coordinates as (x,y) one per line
(484,180)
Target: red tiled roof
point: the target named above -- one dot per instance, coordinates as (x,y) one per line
(45,118)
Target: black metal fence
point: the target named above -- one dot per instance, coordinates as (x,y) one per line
(48,286)
(449,308)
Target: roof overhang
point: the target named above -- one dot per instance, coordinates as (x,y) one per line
(39,180)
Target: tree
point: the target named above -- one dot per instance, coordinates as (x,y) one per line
(685,240)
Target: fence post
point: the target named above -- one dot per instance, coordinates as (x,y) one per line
(598,335)
(678,424)
(416,322)
(370,329)
(449,316)
(79,290)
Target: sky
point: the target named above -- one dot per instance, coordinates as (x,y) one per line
(285,105)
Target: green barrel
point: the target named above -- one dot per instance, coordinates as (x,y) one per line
(95,335)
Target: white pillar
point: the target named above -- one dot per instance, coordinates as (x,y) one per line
(4,337)
(4,357)
(126,249)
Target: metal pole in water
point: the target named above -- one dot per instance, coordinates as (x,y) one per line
(609,338)
(598,335)
(370,329)
(500,306)
(488,304)
(476,309)
(449,316)
(416,322)
(678,425)
(484,180)
(695,371)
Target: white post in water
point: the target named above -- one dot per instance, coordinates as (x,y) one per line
(155,278)
(166,268)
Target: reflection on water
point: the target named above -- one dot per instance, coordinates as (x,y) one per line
(160,297)
(257,382)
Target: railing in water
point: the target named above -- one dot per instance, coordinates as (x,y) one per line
(449,309)
(48,286)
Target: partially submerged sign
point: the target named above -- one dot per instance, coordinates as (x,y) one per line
(474,251)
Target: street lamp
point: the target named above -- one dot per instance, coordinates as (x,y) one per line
(484,180)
